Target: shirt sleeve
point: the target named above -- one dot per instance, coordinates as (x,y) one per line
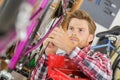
(95,65)
(41,69)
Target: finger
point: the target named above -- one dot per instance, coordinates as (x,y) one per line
(45,42)
(56,33)
(49,39)
(57,29)
(61,29)
(52,35)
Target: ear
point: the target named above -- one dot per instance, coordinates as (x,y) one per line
(91,37)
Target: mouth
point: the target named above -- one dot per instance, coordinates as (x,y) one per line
(73,39)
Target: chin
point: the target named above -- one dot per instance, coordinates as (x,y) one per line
(75,43)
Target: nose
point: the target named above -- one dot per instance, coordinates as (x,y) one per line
(74,33)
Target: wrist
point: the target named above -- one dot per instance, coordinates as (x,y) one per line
(70,49)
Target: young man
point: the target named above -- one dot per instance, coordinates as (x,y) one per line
(76,43)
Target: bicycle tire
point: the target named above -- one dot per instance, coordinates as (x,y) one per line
(8,15)
(116,69)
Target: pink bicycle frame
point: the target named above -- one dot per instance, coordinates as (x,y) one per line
(20,45)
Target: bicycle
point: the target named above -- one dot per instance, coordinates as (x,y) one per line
(21,44)
(19,50)
(110,38)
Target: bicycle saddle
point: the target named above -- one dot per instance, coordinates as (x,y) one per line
(113,31)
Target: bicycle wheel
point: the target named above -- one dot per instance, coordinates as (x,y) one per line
(116,69)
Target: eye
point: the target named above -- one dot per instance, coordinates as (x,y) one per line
(80,30)
(71,28)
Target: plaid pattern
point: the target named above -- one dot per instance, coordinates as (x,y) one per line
(93,64)
(40,71)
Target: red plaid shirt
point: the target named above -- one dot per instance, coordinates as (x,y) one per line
(94,65)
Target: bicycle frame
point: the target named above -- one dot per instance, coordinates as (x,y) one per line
(108,45)
(21,44)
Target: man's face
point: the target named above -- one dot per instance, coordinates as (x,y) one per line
(78,32)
